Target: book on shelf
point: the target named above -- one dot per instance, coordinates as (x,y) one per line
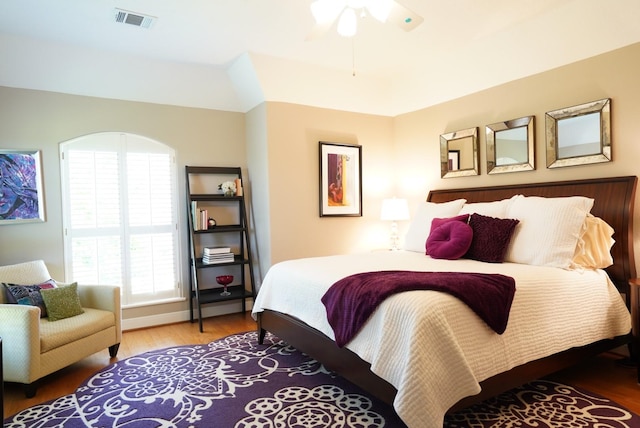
(204,220)
(217,258)
(215,250)
(199,217)
(195,219)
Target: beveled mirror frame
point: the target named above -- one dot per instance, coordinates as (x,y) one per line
(445,140)
(527,122)
(603,107)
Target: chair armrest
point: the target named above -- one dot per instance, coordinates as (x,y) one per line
(105,297)
(20,332)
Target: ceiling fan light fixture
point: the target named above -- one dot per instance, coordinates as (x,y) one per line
(379,9)
(348,23)
(356,4)
(326,11)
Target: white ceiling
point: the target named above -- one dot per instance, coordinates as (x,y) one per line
(233,54)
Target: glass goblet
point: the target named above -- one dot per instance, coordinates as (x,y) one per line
(224,280)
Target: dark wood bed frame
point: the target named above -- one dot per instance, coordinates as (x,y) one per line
(614,202)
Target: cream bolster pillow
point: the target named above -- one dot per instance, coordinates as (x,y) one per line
(548,231)
(420,225)
(593,250)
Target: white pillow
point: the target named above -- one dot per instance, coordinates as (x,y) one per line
(496,209)
(548,231)
(594,246)
(420,226)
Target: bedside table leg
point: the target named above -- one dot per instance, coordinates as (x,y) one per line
(1,385)
(634,306)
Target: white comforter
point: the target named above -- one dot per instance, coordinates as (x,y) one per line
(429,345)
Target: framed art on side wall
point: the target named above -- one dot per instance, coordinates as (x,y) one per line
(21,194)
(340,179)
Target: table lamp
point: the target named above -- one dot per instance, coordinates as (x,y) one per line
(394,210)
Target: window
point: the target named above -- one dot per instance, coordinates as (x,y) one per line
(120,215)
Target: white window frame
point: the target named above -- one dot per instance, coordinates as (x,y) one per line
(123,143)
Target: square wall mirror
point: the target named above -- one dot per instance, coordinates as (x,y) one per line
(459,153)
(579,135)
(511,146)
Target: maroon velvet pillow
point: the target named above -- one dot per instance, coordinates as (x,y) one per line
(491,238)
(450,240)
(436,222)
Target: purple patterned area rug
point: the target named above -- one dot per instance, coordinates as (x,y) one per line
(236,383)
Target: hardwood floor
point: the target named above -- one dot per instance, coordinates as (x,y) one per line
(601,375)
(134,342)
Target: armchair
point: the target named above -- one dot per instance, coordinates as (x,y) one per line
(35,347)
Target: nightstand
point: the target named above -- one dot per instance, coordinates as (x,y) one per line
(634,304)
(1,385)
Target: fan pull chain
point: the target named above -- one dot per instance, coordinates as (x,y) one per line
(353,56)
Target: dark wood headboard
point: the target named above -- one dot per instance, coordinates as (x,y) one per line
(613,202)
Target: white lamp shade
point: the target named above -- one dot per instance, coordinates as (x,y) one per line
(394,209)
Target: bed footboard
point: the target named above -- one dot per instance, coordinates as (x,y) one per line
(347,364)
(319,347)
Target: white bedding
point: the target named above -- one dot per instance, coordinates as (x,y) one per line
(429,345)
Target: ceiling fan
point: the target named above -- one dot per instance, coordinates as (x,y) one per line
(327,12)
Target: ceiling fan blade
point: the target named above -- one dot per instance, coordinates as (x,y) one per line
(404,17)
(318,31)
(325,13)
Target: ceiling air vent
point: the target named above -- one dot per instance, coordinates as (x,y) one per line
(136,19)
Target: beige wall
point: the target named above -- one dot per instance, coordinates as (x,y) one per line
(613,75)
(259,185)
(400,155)
(42,120)
(293,136)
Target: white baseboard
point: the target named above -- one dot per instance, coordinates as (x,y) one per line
(175,317)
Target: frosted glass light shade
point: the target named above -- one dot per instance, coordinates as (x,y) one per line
(325,12)
(348,23)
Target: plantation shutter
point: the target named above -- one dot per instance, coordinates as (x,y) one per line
(120,215)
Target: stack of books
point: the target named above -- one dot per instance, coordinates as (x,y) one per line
(199,217)
(211,255)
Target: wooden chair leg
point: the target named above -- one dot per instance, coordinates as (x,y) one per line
(30,389)
(113,350)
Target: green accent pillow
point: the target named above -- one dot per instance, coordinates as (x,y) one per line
(62,302)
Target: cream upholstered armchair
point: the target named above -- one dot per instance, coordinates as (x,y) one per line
(34,347)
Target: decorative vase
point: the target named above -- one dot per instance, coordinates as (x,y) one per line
(229,193)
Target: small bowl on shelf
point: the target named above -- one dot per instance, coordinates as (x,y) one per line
(224,279)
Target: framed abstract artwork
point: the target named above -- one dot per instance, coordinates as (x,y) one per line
(21,193)
(340,179)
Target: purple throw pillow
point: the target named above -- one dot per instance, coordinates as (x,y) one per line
(437,222)
(450,240)
(28,295)
(491,238)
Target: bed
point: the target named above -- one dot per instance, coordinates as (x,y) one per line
(468,362)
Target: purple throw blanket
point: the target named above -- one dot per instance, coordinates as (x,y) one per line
(350,301)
